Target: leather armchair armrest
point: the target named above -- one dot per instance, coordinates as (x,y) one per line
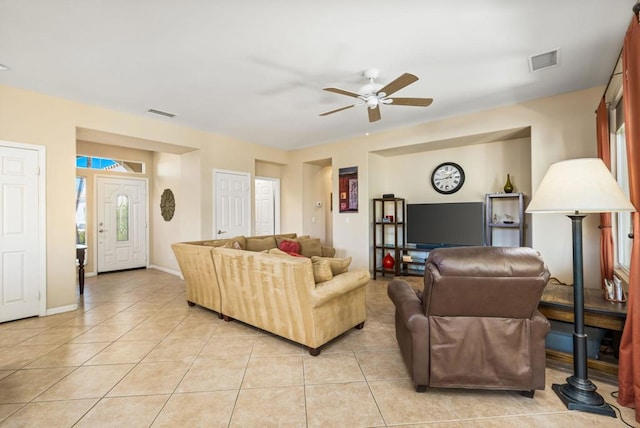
(406,301)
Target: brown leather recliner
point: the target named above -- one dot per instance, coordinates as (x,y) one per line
(476,323)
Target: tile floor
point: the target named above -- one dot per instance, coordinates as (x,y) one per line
(135,355)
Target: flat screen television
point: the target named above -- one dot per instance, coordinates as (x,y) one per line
(447,224)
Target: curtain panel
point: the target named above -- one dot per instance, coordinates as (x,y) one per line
(629,361)
(606,235)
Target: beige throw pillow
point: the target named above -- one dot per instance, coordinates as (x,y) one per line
(321,270)
(310,247)
(261,244)
(338,265)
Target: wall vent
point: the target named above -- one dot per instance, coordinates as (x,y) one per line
(161,113)
(543,60)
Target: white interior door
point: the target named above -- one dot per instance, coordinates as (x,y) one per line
(122,223)
(19,240)
(233,209)
(267,206)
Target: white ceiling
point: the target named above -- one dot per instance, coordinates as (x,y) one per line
(255,69)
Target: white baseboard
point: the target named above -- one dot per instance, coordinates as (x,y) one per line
(62,309)
(167,270)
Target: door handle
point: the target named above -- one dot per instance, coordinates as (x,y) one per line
(220,232)
(102,230)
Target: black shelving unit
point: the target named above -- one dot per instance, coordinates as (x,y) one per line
(388,233)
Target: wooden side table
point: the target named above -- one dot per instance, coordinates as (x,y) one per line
(81,255)
(557,304)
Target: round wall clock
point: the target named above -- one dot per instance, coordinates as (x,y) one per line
(447,178)
(167,204)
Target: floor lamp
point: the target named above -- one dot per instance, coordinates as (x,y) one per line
(578,187)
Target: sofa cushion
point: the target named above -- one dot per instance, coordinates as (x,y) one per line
(260,244)
(310,247)
(232,244)
(338,265)
(289,246)
(321,270)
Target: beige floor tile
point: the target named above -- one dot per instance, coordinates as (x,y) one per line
(200,409)
(9,337)
(87,319)
(399,403)
(148,330)
(18,356)
(371,339)
(122,412)
(199,328)
(268,344)
(24,385)
(126,318)
(270,407)
(382,365)
(48,414)
(331,368)
(72,354)
(175,350)
(5,373)
(123,352)
(7,410)
(273,372)
(224,346)
(214,374)
(102,333)
(86,382)
(338,345)
(342,404)
(55,336)
(237,328)
(151,378)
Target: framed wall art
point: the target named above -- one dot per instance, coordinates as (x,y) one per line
(348,187)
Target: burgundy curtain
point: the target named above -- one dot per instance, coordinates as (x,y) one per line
(629,362)
(604,153)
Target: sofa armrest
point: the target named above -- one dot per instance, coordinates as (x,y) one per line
(338,286)
(406,301)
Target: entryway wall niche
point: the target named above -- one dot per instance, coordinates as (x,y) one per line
(113,152)
(317,215)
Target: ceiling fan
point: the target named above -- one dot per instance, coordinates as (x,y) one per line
(374,94)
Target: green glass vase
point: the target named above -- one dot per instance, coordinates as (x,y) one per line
(508,187)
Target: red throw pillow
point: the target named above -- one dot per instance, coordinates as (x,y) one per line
(290,246)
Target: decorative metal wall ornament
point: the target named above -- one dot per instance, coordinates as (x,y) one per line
(167,204)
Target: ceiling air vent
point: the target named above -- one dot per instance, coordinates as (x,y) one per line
(161,113)
(543,60)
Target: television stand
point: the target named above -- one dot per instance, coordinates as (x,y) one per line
(413,259)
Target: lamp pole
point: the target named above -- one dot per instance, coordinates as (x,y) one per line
(579,393)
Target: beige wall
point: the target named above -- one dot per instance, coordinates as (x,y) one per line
(32,118)
(562,127)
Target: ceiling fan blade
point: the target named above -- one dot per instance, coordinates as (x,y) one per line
(419,102)
(337,110)
(405,80)
(374,114)
(342,92)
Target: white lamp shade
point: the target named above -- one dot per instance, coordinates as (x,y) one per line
(579,186)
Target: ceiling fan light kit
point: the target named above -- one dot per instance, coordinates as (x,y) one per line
(373,94)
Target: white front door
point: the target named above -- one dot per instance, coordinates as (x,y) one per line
(19,240)
(233,209)
(267,206)
(121,206)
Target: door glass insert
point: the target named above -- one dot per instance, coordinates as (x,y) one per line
(122,218)
(81,210)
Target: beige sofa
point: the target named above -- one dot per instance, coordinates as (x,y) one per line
(274,292)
